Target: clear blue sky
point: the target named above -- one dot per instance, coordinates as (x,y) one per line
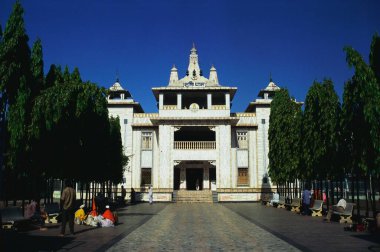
(297,41)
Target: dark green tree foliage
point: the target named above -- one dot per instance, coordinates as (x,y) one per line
(320,130)
(53,77)
(14,55)
(374,56)
(15,85)
(75,76)
(284,138)
(116,159)
(66,75)
(37,68)
(361,113)
(71,125)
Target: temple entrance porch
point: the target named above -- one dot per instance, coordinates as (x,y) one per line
(194,175)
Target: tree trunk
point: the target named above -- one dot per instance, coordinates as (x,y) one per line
(357,196)
(366,196)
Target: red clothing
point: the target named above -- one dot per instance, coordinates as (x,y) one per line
(109,215)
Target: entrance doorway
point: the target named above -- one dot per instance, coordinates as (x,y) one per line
(177,178)
(194,176)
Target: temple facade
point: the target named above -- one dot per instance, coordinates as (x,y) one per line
(194,142)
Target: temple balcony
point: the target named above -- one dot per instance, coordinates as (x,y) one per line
(194,145)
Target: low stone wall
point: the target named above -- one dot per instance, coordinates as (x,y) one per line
(225,197)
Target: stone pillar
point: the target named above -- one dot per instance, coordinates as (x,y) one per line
(160,101)
(179,101)
(209,101)
(227,100)
(165,174)
(206,181)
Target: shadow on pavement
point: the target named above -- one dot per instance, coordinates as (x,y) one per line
(13,241)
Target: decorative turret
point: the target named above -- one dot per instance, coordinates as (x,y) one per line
(270,90)
(118,92)
(173,75)
(213,75)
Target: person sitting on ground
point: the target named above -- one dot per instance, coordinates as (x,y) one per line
(107,219)
(38,215)
(80,215)
(275,199)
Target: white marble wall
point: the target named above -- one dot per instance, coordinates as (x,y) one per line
(165,168)
(126,136)
(223,163)
(262,143)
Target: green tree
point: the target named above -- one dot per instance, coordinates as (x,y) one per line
(15,81)
(53,77)
(75,76)
(374,56)
(66,75)
(361,113)
(64,119)
(320,130)
(284,137)
(37,68)
(14,55)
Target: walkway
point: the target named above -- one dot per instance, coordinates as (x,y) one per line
(200,227)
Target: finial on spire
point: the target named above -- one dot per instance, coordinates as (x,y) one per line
(117,75)
(193,50)
(270,77)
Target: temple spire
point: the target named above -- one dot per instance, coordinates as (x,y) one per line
(213,75)
(193,69)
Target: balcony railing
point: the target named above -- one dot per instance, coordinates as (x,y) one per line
(194,145)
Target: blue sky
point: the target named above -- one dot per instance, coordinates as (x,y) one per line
(297,41)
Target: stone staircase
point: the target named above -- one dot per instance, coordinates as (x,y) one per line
(184,196)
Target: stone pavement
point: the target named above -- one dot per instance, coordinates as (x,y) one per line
(199,227)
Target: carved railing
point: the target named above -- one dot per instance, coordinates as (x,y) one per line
(218,107)
(194,145)
(169,107)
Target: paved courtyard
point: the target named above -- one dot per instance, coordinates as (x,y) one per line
(200,227)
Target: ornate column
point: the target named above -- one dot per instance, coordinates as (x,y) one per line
(160,101)
(179,101)
(209,101)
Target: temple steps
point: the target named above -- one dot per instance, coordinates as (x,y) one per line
(185,196)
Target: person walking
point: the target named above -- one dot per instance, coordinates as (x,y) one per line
(150,193)
(67,204)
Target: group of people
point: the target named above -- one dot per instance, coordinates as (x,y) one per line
(70,216)
(68,198)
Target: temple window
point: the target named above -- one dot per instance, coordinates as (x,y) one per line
(146,140)
(242,139)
